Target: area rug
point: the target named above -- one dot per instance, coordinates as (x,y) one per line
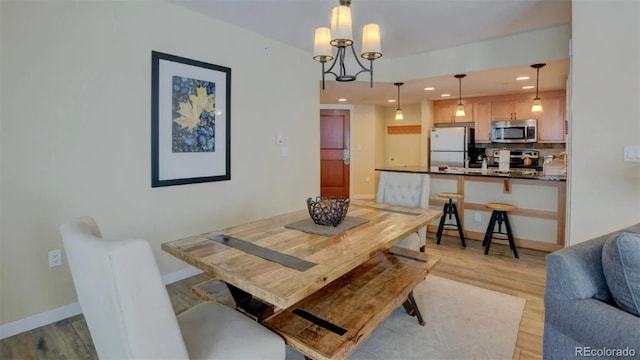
(463,322)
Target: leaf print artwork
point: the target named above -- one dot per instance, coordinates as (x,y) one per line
(193,128)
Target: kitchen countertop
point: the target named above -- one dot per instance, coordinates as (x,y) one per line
(491,172)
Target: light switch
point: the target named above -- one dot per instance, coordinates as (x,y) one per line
(279,139)
(284,151)
(631,153)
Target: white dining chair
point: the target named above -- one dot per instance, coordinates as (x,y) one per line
(408,190)
(129,313)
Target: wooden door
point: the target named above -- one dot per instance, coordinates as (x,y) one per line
(334,152)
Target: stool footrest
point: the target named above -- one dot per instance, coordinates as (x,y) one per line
(448,210)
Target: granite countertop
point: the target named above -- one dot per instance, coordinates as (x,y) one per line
(491,172)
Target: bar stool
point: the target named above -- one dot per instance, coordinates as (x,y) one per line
(499,215)
(450,209)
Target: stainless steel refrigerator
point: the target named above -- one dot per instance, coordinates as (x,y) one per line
(451,145)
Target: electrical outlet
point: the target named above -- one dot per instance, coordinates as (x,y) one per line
(478,217)
(55,258)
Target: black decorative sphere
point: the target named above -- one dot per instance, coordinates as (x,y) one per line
(329,210)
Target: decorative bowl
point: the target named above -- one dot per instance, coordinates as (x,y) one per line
(328,210)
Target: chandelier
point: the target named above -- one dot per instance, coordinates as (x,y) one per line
(340,36)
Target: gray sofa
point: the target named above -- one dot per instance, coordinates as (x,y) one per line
(581,316)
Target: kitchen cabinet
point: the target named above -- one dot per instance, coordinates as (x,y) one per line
(551,120)
(482,110)
(482,116)
(445,112)
(519,109)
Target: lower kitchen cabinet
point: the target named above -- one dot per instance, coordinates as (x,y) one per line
(538,222)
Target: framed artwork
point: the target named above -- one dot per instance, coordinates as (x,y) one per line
(190,121)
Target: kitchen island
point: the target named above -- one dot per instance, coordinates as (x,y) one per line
(539,220)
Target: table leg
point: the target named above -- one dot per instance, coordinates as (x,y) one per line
(411,307)
(249,305)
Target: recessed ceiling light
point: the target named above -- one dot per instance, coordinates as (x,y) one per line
(429,89)
(445,95)
(342,99)
(391,100)
(522,78)
(528,87)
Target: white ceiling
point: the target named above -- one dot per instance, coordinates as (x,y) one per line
(407,27)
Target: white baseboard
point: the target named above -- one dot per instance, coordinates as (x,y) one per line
(180,274)
(67,311)
(38,320)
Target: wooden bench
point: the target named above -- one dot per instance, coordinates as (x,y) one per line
(213,290)
(332,322)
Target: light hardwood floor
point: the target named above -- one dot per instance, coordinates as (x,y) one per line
(498,271)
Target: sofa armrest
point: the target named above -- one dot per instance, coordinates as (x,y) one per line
(594,323)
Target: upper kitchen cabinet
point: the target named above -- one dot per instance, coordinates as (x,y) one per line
(482,115)
(482,110)
(445,112)
(512,109)
(551,120)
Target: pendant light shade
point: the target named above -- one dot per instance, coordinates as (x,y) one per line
(460,107)
(399,115)
(341,26)
(537,103)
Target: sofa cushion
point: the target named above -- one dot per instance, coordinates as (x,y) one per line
(621,267)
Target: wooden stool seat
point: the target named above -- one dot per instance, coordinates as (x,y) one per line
(499,215)
(450,210)
(448,195)
(500,206)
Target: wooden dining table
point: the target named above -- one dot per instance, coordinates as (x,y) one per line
(270,265)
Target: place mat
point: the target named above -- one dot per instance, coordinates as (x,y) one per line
(267,254)
(309,226)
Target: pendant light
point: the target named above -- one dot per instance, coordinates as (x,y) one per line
(460,107)
(537,103)
(398,110)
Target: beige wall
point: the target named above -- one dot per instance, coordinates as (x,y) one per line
(363,150)
(605,115)
(75,134)
(75,126)
(403,149)
(427,123)
(513,50)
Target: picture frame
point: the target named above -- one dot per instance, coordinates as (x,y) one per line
(190,121)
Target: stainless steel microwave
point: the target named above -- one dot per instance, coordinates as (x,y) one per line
(514,131)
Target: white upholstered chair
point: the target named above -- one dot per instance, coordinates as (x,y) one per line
(129,313)
(409,190)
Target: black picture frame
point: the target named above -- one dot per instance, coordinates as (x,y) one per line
(190,121)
